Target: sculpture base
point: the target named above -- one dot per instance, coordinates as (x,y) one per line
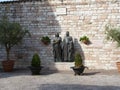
(62,66)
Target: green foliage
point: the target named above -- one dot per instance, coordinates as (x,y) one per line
(46,39)
(113,33)
(84,38)
(36,62)
(11,34)
(78,60)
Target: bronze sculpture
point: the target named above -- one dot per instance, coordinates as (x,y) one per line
(68,48)
(63,51)
(57,48)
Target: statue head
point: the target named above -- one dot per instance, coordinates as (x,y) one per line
(57,35)
(67,33)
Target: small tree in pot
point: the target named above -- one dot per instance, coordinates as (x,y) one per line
(11,34)
(35,65)
(79,67)
(85,40)
(113,34)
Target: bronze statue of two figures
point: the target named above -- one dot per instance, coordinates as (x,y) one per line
(63,51)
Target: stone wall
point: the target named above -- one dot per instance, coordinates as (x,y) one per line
(79,17)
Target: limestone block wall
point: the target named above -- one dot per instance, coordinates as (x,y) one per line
(79,17)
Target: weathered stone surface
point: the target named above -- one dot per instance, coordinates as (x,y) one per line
(61,11)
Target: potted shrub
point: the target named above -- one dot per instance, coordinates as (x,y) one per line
(113,34)
(46,40)
(84,39)
(11,34)
(79,67)
(35,65)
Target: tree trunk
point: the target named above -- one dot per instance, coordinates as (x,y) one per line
(7,46)
(8,53)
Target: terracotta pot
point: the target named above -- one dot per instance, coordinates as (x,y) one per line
(45,42)
(118,66)
(8,65)
(85,41)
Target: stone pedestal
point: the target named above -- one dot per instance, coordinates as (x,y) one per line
(62,66)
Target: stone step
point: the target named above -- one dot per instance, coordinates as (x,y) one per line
(62,66)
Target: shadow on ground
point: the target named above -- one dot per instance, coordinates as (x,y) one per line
(90,73)
(76,87)
(27,72)
(23,72)
(44,72)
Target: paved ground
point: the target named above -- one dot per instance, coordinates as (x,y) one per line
(51,80)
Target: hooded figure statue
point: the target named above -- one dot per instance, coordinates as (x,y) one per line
(68,48)
(57,48)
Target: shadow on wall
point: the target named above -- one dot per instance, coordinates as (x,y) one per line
(41,19)
(47,26)
(76,87)
(78,48)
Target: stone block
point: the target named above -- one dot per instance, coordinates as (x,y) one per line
(61,66)
(61,11)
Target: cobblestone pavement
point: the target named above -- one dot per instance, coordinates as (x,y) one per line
(64,80)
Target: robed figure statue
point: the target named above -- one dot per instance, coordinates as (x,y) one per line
(68,48)
(57,48)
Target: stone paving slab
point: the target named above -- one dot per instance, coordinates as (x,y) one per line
(62,80)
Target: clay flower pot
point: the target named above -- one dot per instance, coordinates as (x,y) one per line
(8,65)
(118,66)
(84,39)
(45,40)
